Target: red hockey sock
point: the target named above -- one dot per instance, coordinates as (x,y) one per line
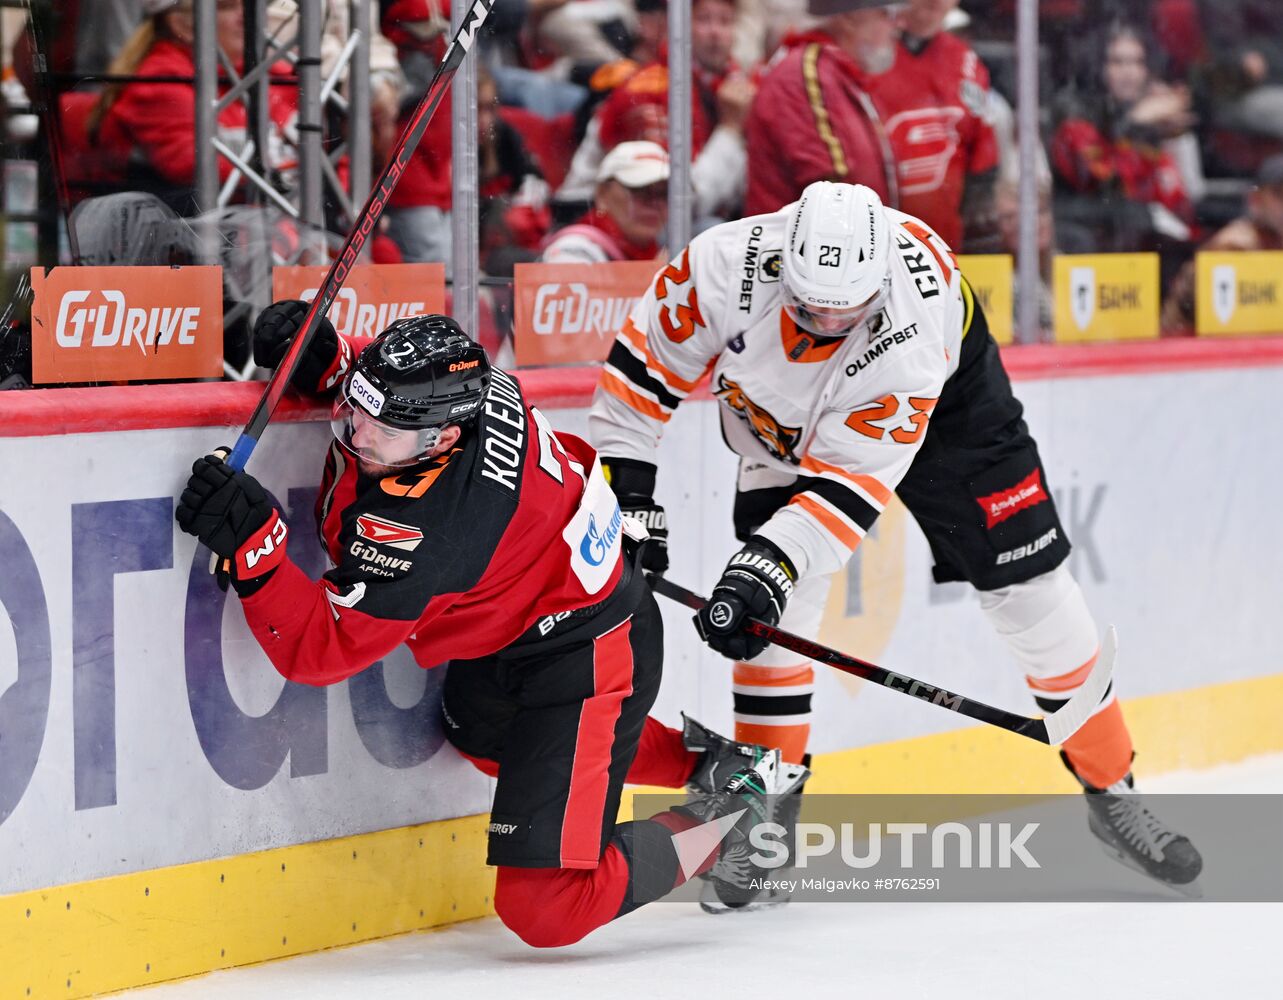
(661,758)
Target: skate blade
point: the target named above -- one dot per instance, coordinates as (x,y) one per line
(717,908)
(1190,890)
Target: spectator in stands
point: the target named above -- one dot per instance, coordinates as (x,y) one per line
(934,104)
(514,195)
(1116,183)
(1245,65)
(1260,227)
(1007,218)
(157,120)
(638,109)
(629,210)
(813,118)
(387,82)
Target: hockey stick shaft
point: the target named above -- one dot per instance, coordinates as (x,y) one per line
(362,229)
(1053,730)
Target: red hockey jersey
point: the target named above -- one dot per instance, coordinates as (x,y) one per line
(456,558)
(934,109)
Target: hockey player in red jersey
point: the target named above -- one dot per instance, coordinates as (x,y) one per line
(851,360)
(460,524)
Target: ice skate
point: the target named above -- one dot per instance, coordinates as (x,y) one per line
(754,789)
(720,758)
(1135,837)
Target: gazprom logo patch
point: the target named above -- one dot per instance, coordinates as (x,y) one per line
(369,397)
(596,544)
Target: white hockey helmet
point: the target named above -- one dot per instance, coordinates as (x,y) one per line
(836,274)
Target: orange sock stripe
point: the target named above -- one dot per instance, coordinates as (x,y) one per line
(1101,751)
(754,676)
(791,739)
(1065,682)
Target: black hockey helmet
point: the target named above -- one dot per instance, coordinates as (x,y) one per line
(417,377)
(424,372)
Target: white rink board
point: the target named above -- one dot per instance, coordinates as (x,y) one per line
(125,745)
(1167,485)
(300,773)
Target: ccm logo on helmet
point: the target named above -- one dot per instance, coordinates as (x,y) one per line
(460,366)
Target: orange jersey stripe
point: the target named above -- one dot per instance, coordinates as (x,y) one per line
(867,483)
(635,337)
(1065,682)
(625,394)
(746,673)
(832,523)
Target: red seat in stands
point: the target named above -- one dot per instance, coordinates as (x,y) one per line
(551,141)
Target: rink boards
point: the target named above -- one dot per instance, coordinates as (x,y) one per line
(168,805)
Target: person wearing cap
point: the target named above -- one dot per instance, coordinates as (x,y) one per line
(157,120)
(630,209)
(1260,227)
(813,118)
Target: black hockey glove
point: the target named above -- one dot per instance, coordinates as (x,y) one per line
(634,485)
(757,583)
(235,519)
(322,365)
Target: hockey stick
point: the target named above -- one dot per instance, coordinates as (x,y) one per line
(1054,729)
(362,228)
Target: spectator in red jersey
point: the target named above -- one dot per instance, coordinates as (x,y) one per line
(813,118)
(1115,180)
(629,210)
(638,110)
(158,120)
(1260,227)
(933,100)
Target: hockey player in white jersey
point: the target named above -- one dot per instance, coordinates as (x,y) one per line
(851,360)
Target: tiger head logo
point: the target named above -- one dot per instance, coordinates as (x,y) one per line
(779,440)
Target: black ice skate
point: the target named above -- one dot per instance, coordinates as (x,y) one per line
(755,788)
(720,758)
(1135,837)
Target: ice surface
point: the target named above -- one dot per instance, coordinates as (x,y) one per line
(988,951)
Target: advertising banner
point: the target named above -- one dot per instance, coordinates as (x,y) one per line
(126,324)
(569,314)
(373,297)
(1107,296)
(989,276)
(1238,293)
(141,725)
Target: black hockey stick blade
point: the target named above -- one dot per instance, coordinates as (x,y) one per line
(1053,730)
(362,228)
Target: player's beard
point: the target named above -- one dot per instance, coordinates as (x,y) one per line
(372,470)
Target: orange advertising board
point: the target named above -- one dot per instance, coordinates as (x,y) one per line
(373,297)
(126,324)
(568,314)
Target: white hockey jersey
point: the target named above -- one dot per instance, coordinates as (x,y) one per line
(840,419)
